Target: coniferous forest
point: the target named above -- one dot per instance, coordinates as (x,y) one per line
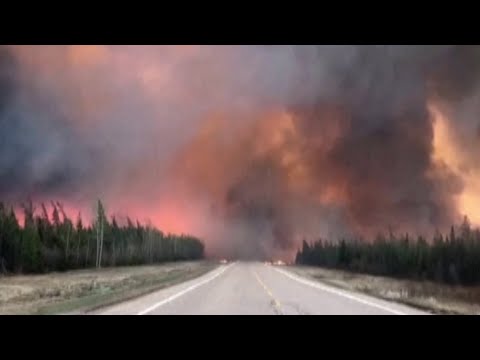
(452,258)
(49,240)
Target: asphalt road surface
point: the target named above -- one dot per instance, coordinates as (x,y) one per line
(243,288)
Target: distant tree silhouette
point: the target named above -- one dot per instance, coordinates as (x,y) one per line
(453,259)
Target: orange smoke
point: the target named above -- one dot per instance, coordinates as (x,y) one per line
(243,165)
(448,152)
(234,142)
(228,144)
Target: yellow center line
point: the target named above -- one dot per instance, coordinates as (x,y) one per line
(276,303)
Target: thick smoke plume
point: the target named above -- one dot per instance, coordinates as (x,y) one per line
(251,147)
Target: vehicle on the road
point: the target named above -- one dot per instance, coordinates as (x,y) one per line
(279,263)
(223,261)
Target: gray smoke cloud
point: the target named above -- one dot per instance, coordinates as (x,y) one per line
(83,122)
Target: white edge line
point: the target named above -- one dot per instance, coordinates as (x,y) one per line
(183,292)
(337,292)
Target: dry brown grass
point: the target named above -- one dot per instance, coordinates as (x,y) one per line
(83,290)
(429,296)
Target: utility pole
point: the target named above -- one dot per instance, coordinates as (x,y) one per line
(174,247)
(101,242)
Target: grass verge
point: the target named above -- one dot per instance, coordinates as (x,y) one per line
(82,291)
(424,295)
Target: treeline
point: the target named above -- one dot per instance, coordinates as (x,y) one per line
(452,258)
(51,241)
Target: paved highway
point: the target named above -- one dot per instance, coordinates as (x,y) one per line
(244,288)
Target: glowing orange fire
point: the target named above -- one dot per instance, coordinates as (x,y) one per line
(447,152)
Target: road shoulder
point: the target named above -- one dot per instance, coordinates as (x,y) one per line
(82,291)
(424,296)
